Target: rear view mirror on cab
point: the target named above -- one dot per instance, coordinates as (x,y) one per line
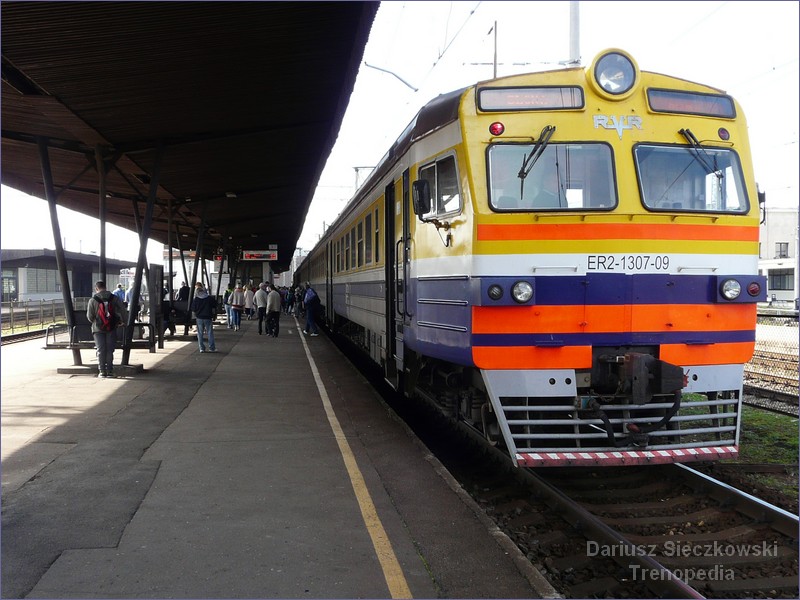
(421,197)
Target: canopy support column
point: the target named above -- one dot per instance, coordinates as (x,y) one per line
(144,235)
(61,263)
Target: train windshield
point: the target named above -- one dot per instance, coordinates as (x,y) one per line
(564,177)
(673,178)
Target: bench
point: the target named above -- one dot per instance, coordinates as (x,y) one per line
(59,335)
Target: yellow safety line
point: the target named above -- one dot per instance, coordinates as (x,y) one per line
(392,572)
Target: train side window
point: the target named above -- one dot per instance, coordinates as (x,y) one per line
(352,244)
(442,178)
(368,238)
(347,252)
(377,235)
(448,199)
(360,244)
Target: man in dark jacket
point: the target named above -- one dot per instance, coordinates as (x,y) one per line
(105,341)
(204,308)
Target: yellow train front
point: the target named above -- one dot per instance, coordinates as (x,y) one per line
(565,261)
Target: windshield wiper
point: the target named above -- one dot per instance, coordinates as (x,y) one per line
(700,155)
(530,160)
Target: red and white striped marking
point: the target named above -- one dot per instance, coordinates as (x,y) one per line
(624,457)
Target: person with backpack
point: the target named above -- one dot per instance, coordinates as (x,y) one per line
(105,312)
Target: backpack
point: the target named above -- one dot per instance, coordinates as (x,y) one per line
(106,317)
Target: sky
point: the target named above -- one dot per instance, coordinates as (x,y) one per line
(748,49)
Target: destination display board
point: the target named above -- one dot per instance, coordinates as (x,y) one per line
(259,255)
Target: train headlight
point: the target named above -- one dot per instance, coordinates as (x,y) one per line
(614,74)
(495,292)
(730,289)
(522,291)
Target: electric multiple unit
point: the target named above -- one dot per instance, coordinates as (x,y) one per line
(565,261)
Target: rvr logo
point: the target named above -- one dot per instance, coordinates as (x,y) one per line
(619,124)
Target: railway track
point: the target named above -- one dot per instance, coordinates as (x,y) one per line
(773,372)
(768,399)
(639,532)
(625,532)
(12,338)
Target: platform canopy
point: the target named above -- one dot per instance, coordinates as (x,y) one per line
(231,107)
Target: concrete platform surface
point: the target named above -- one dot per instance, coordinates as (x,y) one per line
(269,469)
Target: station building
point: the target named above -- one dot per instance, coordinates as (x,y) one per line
(33,274)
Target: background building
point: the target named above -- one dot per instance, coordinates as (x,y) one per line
(33,274)
(778,258)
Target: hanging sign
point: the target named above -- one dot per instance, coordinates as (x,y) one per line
(259,255)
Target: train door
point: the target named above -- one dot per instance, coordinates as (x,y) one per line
(396,253)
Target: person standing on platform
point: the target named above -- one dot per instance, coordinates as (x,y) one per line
(183,293)
(261,306)
(237,306)
(129,300)
(298,301)
(273,311)
(311,303)
(105,336)
(290,301)
(120,292)
(204,308)
(249,293)
(226,301)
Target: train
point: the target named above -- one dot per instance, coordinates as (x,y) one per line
(565,262)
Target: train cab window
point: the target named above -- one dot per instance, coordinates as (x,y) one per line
(442,177)
(564,177)
(679,178)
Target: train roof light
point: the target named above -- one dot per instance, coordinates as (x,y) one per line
(615,73)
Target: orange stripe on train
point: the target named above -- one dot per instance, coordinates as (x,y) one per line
(613,318)
(615,231)
(580,357)
(728,353)
(532,357)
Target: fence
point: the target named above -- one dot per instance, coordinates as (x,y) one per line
(36,315)
(774,365)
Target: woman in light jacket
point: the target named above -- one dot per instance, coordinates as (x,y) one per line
(237,306)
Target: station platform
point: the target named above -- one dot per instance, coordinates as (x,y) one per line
(269,469)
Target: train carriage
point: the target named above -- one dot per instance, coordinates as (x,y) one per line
(564,261)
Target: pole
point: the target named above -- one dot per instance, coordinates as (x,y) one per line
(101,173)
(495,50)
(574,33)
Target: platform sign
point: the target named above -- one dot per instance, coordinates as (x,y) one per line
(259,255)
